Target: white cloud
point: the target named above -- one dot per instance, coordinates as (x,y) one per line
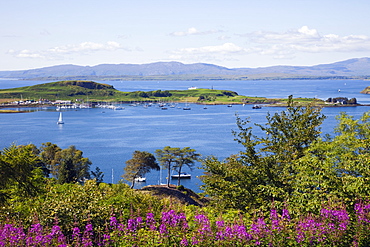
(283,45)
(85,47)
(304,39)
(223,49)
(193,31)
(61,51)
(208,53)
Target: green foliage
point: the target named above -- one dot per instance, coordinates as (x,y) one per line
(342,100)
(91,202)
(175,158)
(264,172)
(140,164)
(337,168)
(72,166)
(167,158)
(66,165)
(186,156)
(21,172)
(293,164)
(97,175)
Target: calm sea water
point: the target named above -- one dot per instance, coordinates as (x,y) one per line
(108,138)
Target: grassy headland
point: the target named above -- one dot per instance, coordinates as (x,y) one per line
(98,92)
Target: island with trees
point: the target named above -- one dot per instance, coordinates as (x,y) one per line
(78,92)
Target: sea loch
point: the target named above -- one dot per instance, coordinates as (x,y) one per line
(108,138)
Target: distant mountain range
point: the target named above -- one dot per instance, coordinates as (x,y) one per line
(357,67)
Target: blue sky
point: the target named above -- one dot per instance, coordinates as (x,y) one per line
(232,33)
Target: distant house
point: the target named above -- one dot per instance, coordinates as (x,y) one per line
(62,102)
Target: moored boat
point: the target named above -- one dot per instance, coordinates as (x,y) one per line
(182,175)
(140,179)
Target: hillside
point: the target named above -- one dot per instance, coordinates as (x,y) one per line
(60,90)
(176,194)
(98,92)
(358,67)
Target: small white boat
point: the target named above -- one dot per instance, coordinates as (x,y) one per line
(60,120)
(182,175)
(118,108)
(187,107)
(140,179)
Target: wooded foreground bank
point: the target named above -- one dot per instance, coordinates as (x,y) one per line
(288,187)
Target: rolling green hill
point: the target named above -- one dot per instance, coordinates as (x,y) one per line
(92,91)
(98,92)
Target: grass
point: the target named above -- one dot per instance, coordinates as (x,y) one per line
(11,111)
(98,92)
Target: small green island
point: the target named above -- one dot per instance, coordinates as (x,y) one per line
(93,92)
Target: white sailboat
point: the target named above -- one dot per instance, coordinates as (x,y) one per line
(187,107)
(60,120)
(182,175)
(140,179)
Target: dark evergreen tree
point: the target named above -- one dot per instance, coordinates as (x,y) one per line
(97,175)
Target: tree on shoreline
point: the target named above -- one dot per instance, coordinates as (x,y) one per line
(186,156)
(167,158)
(140,164)
(175,158)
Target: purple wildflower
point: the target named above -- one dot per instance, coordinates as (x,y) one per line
(87,238)
(203,222)
(184,242)
(76,234)
(362,212)
(285,214)
(274,217)
(150,221)
(113,222)
(163,229)
(57,235)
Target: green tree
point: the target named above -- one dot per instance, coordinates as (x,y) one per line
(97,175)
(167,158)
(263,172)
(49,157)
(20,172)
(337,168)
(140,164)
(186,156)
(71,166)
